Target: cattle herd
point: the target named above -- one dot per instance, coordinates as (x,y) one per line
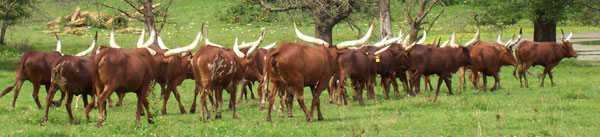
(282,70)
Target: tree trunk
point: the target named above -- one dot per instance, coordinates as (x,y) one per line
(149,19)
(544,30)
(414,32)
(385,19)
(324,31)
(2,34)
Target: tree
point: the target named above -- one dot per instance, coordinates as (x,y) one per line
(326,13)
(415,20)
(543,13)
(385,20)
(147,12)
(11,11)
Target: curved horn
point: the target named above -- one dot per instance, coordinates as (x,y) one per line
(308,38)
(507,44)
(518,38)
(422,38)
(400,35)
(90,48)
(381,43)
(389,41)
(255,44)
(188,47)
(112,42)
(236,49)
(140,41)
(499,39)
(161,44)
(58,44)
(212,44)
(411,46)
(445,43)
(569,36)
(270,46)
(382,50)
(360,41)
(474,40)
(150,40)
(405,41)
(453,40)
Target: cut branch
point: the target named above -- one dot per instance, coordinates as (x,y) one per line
(122,11)
(438,16)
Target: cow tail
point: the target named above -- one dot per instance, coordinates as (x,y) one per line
(518,59)
(95,71)
(19,74)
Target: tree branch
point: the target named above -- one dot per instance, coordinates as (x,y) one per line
(134,7)
(438,16)
(166,11)
(122,11)
(422,16)
(282,9)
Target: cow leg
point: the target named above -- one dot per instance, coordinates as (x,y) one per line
(35,95)
(139,108)
(271,98)
(484,86)
(178,98)
(448,85)
(89,107)
(437,90)
(385,81)
(300,98)
(121,97)
(523,72)
(496,82)
(370,85)
(196,92)
(358,89)
(317,100)
(165,94)
(289,101)
(68,106)
(202,103)
(341,90)
(17,86)
(85,101)
(49,97)
(55,103)
(250,85)
(232,92)
(416,82)
(244,91)
(145,90)
(551,79)
(395,85)
(461,79)
(102,97)
(219,102)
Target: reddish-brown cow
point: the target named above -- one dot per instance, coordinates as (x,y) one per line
(547,54)
(35,67)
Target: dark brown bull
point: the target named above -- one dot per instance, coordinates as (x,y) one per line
(217,69)
(72,75)
(254,73)
(547,54)
(175,71)
(488,58)
(121,71)
(35,66)
(293,66)
(429,60)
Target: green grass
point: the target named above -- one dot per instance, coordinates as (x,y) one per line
(568,109)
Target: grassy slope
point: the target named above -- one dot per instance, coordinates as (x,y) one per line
(564,110)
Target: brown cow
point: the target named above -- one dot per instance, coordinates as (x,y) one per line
(121,71)
(488,58)
(72,75)
(254,73)
(428,60)
(35,67)
(217,69)
(176,70)
(292,66)
(547,54)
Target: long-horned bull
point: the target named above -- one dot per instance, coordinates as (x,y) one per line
(121,71)
(72,75)
(547,54)
(292,66)
(217,69)
(488,58)
(429,60)
(254,72)
(35,67)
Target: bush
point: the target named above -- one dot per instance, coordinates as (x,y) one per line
(245,12)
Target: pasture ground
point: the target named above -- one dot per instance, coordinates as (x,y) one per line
(568,109)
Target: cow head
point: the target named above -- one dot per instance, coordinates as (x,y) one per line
(506,50)
(246,58)
(566,46)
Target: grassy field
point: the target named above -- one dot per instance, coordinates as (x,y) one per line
(568,109)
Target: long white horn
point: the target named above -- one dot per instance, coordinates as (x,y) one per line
(150,40)
(113,44)
(358,42)
(445,43)
(400,36)
(405,41)
(518,38)
(381,43)
(453,40)
(270,46)
(422,38)
(207,42)
(256,43)
(569,36)
(390,41)
(188,47)
(58,44)
(161,44)
(310,39)
(88,50)
(140,41)
(411,46)
(474,40)
(236,49)
(499,39)
(507,44)
(382,50)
